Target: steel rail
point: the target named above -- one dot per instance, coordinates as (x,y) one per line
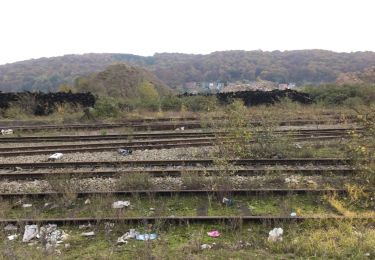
(250,192)
(185,219)
(196,162)
(166,134)
(171,136)
(154,126)
(172,172)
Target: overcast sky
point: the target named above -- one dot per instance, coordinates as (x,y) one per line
(45,28)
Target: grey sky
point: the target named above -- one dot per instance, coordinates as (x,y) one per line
(44,28)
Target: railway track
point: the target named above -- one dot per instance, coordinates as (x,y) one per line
(195,162)
(15,175)
(241,213)
(339,132)
(162,125)
(247,192)
(184,219)
(133,145)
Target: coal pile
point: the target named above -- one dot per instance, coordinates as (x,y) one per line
(46,103)
(257,97)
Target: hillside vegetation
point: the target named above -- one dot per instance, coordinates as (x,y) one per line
(301,67)
(120,81)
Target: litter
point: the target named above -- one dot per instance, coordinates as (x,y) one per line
(120,240)
(31,231)
(293,214)
(108,226)
(18,168)
(227,202)
(275,235)
(152,209)
(27,205)
(10,227)
(206,246)
(125,151)
(146,237)
(52,236)
(55,156)
(88,234)
(128,235)
(291,180)
(12,237)
(120,204)
(182,128)
(298,146)
(6,131)
(88,201)
(84,226)
(213,233)
(50,206)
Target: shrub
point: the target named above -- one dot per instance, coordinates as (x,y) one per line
(200,103)
(106,107)
(342,95)
(171,103)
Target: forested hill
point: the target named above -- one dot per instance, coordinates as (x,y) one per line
(305,66)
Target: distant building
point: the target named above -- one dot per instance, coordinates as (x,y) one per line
(283,86)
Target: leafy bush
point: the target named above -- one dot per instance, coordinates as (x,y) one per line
(106,107)
(171,103)
(342,95)
(200,103)
(149,96)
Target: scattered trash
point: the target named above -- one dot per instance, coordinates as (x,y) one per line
(67,246)
(10,227)
(84,226)
(182,128)
(18,168)
(108,226)
(120,240)
(88,201)
(291,181)
(206,246)
(152,209)
(27,205)
(146,237)
(50,206)
(275,235)
(298,146)
(227,202)
(31,231)
(6,131)
(367,254)
(293,214)
(213,233)
(120,204)
(51,236)
(55,156)
(12,237)
(88,234)
(125,151)
(128,235)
